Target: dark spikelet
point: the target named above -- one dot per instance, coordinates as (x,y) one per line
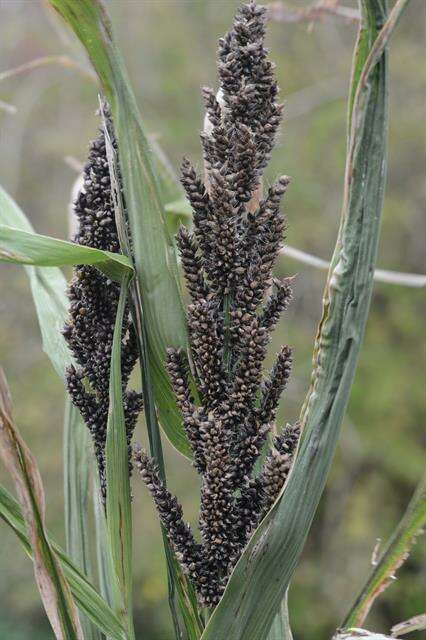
(248,373)
(207,349)
(192,264)
(200,202)
(276,467)
(217,517)
(272,227)
(178,372)
(188,551)
(228,263)
(248,507)
(273,386)
(259,494)
(277,302)
(169,509)
(244,180)
(93,306)
(223,233)
(213,108)
(247,447)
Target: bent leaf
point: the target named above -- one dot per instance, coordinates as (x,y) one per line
(106,575)
(179,588)
(23,247)
(19,461)
(175,579)
(86,596)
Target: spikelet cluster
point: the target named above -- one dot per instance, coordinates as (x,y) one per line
(93,306)
(235,304)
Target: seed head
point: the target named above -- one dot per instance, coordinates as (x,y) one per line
(228,262)
(93,306)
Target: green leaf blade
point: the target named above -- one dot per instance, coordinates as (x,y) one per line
(28,248)
(118,505)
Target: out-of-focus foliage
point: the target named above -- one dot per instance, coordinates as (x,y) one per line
(169,46)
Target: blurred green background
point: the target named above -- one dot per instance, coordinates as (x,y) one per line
(49,114)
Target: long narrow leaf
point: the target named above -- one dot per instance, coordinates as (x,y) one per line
(392,557)
(106,574)
(19,461)
(262,575)
(119,512)
(154,254)
(22,247)
(86,596)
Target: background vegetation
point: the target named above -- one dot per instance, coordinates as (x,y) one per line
(170,48)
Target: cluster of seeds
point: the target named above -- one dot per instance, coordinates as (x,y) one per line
(93,307)
(235,304)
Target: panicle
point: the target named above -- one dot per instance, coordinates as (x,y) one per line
(93,301)
(228,262)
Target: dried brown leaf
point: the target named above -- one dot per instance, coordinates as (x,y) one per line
(22,466)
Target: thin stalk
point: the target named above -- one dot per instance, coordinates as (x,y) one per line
(174,577)
(154,438)
(118,496)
